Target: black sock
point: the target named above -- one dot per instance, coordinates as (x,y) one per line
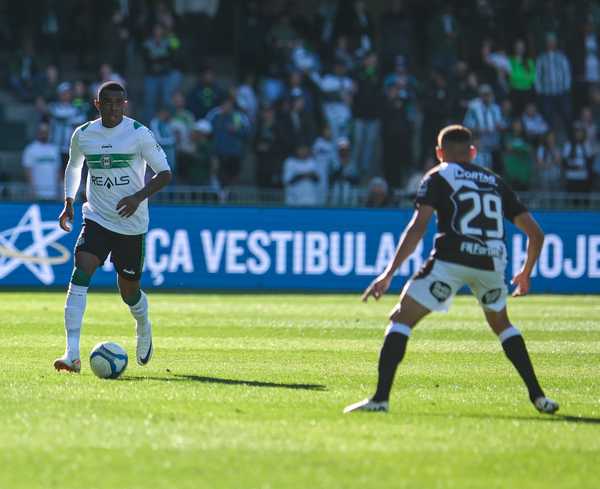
(516,351)
(390,356)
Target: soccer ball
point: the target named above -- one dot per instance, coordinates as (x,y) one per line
(108,360)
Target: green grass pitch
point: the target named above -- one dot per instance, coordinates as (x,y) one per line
(246,391)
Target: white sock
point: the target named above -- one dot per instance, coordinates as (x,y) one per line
(140,313)
(74,309)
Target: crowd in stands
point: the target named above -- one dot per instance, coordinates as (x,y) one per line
(324,102)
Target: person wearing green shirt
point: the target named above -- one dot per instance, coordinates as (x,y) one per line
(522,77)
(517,156)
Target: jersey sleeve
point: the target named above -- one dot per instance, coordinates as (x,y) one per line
(27,160)
(511,204)
(428,191)
(152,152)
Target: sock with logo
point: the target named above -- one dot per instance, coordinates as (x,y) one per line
(138,306)
(516,351)
(74,310)
(392,353)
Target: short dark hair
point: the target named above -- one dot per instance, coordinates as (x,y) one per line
(454,135)
(111,85)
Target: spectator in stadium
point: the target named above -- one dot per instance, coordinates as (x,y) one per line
(553,83)
(496,67)
(301,178)
(591,130)
(46,84)
(401,76)
(396,131)
(158,53)
(64,117)
(522,76)
(231,131)
(378,193)
(326,155)
(337,90)
(341,52)
(161,126)
(534,124)
(206,95)
(297,84)
(437,108)
(106,73)
(43,167)
(463,86)
(295,123)
(343,178)
(577,162)
(444,39)
(517,158)
(182,125)
(508,115)
(354,21)
(366,110)
(82,100)
(585,54)
(246,98)
(269,149)
(397,29)
(485,118)
(23,70)
(548,162)
(202,167)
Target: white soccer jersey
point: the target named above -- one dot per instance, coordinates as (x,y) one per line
(116,158)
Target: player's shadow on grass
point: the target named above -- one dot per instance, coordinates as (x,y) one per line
(556,418)
(217,380)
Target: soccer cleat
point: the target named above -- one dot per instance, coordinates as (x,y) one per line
(546,405)
(368,405)
(65,363)
(144,348)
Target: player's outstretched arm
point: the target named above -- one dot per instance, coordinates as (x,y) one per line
(535,240)
(408,242)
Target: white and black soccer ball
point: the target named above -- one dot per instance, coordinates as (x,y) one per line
(108,360)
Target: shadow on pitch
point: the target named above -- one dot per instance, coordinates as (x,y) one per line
(217,380)
(555,418)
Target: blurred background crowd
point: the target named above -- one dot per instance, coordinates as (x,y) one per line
(305,102)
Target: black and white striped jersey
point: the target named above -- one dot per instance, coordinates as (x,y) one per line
(471,203)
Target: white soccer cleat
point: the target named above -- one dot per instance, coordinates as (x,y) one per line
(546,405)
(144,348)
(67,364)
(369,406)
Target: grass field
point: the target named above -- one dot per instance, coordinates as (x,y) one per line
(246,391)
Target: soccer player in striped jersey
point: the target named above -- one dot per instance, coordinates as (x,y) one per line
(471,204)
(116,150)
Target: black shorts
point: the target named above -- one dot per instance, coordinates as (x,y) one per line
(126,251)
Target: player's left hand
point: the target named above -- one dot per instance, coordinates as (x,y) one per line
(378,287)
(128,205)
(521,280)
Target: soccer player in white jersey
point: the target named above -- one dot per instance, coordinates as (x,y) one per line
(471,204)
(116,150)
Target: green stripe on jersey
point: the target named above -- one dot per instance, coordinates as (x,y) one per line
(110,160)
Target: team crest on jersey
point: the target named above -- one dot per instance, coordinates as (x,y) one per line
(106,161)
(491,296)
(440,290)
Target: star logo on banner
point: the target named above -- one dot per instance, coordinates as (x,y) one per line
(44,236)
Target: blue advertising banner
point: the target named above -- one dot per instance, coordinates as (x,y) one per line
(283,249)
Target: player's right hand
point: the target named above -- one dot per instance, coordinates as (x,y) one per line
(522,282)
(65,219)
(378,287)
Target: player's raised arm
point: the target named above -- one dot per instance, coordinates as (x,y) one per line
(535,240)
(72,181)
(408,242)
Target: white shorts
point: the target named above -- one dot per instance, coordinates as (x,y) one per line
(437,283)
